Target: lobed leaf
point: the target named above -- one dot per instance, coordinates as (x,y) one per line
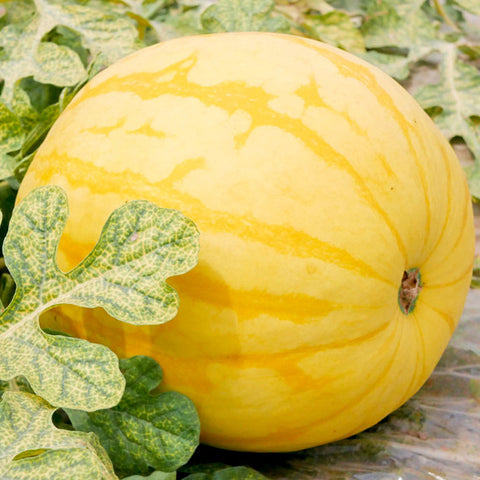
(144,430)
(399,28)
(243,16)
(455,99)
(24,56)
(337,29)
(32,447)
(103,32)
(140,246)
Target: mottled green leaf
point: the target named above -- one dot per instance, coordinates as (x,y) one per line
(337,29)
(147,8)
(139,242)
(472,6)
(455,100)
(22,107)
(103,32)
(144,430)
(24,56)
(473,177)
(11,130)
(397,66)
(243,16)
(36,135)
(154,476)
(11,139)
(228,473)
(399,27)
(17,11)
(355,7)
(31,447)
(176,23)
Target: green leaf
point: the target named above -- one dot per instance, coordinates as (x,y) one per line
(337,29)
(7,202)
(32,447)
(399,27)
(472,51)
(243,16)
(140,246)
(154,476)
(11,138)
(473,177)
(455,100)
(22,107)
(397,66)
(228,473)
(18,11)
(177,23)
(472,6)
(24,56)
(144,430)
(476,272)
(36,135)
(112,35)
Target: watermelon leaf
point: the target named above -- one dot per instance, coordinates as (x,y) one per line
(144,430)
(337,29)
(11,139)
(139,241)
(398,29)
(26,54)
(454,102)
(226,473)
(32,447)
(154,476)
(471,6)
(243,16)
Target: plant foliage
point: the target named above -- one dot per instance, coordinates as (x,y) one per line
(48,50)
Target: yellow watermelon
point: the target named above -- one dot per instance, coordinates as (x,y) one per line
(336,229)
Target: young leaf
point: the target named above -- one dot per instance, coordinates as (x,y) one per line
(455,99)
(32,447)
(140,246)
(243,16)
(144,430)
(228,473)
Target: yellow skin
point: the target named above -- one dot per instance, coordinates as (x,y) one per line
(315,181)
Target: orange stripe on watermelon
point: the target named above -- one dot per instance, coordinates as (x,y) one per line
(280,238)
